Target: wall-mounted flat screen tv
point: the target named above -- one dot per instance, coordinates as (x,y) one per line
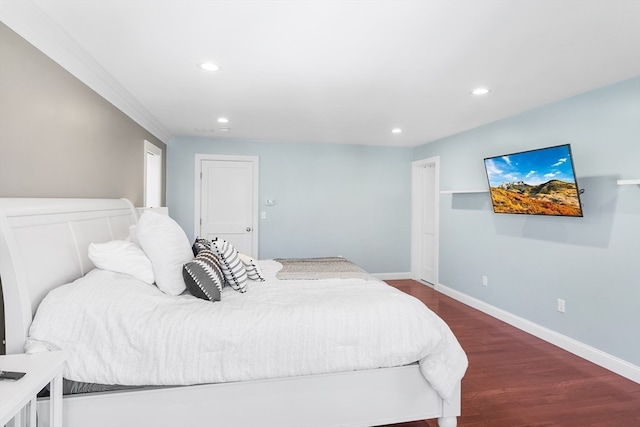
(535,182)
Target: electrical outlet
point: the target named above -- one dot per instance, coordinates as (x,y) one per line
(485,281)
(561,306)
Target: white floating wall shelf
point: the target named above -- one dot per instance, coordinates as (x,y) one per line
(629,182)
(463,191)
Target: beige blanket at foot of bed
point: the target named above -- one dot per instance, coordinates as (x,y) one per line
(319,268)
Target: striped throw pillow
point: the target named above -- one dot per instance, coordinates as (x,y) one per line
(203,276)
(253,269)
(230,264)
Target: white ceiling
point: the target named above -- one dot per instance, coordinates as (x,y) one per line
(342,72)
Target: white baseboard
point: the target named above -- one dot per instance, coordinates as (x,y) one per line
(392,276)
(600,358)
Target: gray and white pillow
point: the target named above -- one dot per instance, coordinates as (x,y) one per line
(200,244)
(203,276)
(230,264)
(254,272)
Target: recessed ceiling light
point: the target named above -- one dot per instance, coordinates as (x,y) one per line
(225,129)
(223,120)
(480,91)
(396,130)
(209,66)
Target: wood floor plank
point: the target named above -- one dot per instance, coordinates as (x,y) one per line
(517,380)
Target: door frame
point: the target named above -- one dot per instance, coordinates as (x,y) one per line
(154,150)
(417,202)
(199,158)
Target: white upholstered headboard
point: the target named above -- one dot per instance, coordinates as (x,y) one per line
(44,243)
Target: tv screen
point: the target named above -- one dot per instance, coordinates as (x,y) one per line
(535,182)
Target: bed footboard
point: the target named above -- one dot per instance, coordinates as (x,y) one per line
(358,398)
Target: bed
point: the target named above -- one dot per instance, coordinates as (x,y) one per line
(43,247)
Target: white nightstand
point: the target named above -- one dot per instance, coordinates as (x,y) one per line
(40,369)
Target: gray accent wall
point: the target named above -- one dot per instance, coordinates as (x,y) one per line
(58,138)
(348,200)
(593,263)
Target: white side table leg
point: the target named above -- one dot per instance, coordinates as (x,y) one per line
(55,401)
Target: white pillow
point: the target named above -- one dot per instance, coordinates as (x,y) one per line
(168,248)
(122,257)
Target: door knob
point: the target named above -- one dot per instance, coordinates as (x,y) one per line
(248,228)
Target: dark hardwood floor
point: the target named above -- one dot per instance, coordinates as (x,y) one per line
(517,380)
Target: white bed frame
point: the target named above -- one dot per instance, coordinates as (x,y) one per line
(44,244)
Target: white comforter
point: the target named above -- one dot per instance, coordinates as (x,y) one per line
(119,330)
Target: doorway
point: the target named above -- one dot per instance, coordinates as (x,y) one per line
(152,175)
(226,200)
(425,207)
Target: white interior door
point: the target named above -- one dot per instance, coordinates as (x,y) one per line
(425,220)
(228,201)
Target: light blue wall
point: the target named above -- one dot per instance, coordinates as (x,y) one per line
(347,200)
(355,201)
(593,263)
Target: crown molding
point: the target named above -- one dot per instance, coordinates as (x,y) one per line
(31,23)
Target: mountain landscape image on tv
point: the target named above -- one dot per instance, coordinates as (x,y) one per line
(536,182)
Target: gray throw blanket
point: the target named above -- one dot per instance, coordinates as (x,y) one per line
(320,268)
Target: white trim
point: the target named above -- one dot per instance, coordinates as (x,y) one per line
(27,19)
(416,203)
(393,276)
(600,358)
(199,158)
